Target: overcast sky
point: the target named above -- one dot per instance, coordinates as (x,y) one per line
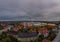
(41,10)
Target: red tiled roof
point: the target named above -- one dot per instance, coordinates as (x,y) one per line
(45,40)
(43,30)
(40,30)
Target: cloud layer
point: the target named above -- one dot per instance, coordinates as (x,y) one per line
(41,10)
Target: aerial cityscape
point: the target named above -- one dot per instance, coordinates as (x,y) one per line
(29,20)
(34,31)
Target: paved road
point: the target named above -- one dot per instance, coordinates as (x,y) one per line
(4,29)
(57,39)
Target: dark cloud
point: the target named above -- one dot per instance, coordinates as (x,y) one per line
(30,9)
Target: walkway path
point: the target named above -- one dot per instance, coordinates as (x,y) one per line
(57,39)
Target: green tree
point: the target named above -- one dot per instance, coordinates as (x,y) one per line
(41,37)
(4,34)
